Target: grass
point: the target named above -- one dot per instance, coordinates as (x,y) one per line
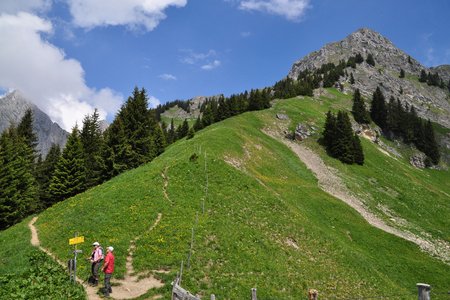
(266,223)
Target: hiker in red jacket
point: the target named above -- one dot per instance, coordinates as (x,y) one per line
(108,268)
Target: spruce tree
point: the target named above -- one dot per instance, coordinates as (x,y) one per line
(329,132)
(183,129)
(18,188)
(402,73)
(190,133)
(198,125)
(159,139)
(171,134)
(358,58)
(69,177)
(423,76)
(45,172)
(352,79)
(358,154)
(370,60)
(26,131)
(343,148)
(92,140)
(378,111)
(359,110)
(431,146)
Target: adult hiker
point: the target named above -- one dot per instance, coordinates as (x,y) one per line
(108,268)
(96,260)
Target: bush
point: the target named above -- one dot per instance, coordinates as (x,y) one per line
(44,279)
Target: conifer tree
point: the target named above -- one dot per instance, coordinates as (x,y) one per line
(423,76)
(69,177)
(183,129)
(190,133)
(352,79)
(358,153)
(409,59)
(92,140)
(198,125)
(370,60)
(359,110)
(18,189)
(207,118)
(45,171)
(26,131)
(378,111)
(358,58)
(431,146)
(171,134)
(343,148)
(402,73)
(159,140)
(329,131)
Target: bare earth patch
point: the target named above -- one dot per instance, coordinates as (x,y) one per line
(330,182)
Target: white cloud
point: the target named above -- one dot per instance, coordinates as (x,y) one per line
(212,65)
(167,77)
(132,13)
(153,102)
(15,6)
(192,57)
(292,10)
(44,75)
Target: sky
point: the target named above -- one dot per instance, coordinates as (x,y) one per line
(71,56)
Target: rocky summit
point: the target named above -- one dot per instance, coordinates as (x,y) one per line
(12,108)
(431,102)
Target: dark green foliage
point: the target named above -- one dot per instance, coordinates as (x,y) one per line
(351,62)
(45,169)
(92,140)
(18,189)
(198,125)
(359,58)
(370,60)
(183,129)
(409,59)
(44,279)
(171,133)
(190,133)
(26,131)
(358,154)
(423,76)
(207,118)
(352,79)
(339,140)
(359,110)
(159,140)
(69,177)
(402,73)
(431,148)
(378,110)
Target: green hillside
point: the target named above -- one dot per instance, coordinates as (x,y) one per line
(265,223)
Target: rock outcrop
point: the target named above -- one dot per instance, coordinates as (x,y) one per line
(430,102)
(12,109)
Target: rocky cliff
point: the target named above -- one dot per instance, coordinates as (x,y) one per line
(430,102)
(12,109)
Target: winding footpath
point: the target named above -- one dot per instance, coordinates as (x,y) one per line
(131,286)
(330,182)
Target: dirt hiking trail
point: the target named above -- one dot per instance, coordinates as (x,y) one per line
(127,288)
(330,182)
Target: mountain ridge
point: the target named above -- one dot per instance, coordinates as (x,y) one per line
(12,108)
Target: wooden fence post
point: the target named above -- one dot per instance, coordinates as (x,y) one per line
(254,294)
(424,291)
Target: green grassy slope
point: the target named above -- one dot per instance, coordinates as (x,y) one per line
(266,223)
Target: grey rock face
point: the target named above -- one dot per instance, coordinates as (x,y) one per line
(430,102)
(12,109)
(418,160)
(443,71)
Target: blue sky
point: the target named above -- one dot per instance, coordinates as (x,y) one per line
(69,56)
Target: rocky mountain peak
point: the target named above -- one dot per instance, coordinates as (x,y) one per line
(13,107)
(431,102)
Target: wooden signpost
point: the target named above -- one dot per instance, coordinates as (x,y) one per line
(73,262)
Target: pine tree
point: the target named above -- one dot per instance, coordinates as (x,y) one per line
(423,76)
(358,58)
(171,134)
(402,73)
(26,131)
(119,152)
(343,148)
(448,85)
(183,129)
(352,79)
(69,177)
(45,171)
(207,118)
(159,140)
(359,110)
(378,111)
(190,133)
(329,131)
(18,189)
(198,125)
(431,146)
(409,59)
(92,140)
(358,153)
(370,60)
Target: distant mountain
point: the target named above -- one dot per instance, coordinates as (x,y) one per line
(12,109)
(431,102)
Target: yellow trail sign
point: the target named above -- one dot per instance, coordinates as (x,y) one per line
(76,240)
